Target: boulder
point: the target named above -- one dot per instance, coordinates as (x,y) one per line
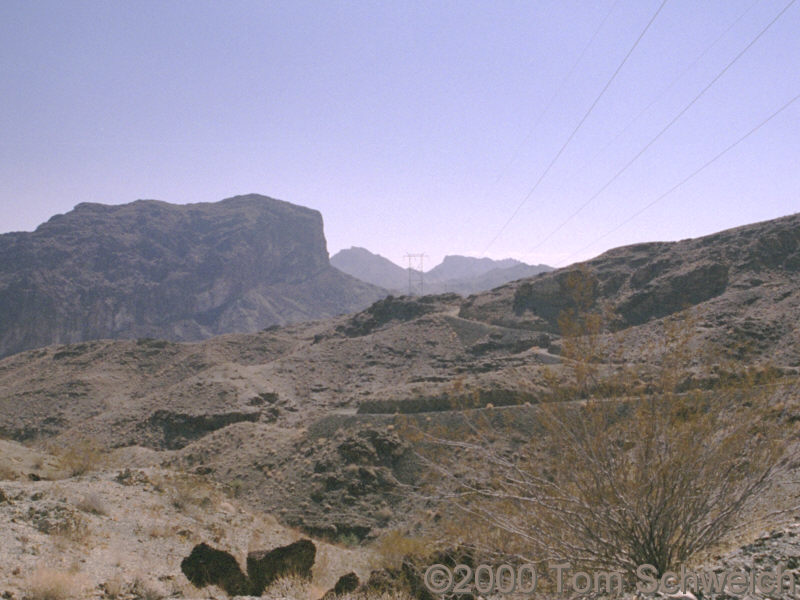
(346,584)
(209,566)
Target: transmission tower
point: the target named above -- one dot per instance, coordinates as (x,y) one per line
(415,273)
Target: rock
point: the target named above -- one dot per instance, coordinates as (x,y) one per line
(643,282)
(265,566)
(393,309)
(180,429)
(131,477)
(346,584)
(209,566)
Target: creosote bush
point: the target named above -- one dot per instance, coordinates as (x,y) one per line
(630,465)
(81,456)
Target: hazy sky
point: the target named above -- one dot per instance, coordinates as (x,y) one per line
(412,126)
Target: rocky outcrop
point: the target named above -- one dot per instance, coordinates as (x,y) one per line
(648,281)
(346,584)
(390,309)
(209,566)
(178,272)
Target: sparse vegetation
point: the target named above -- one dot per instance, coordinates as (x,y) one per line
(115,587)
(287,587)
(142,589)
(92,503)
(394,545)
(71,530)
(51,584)
(652,472)
(80,457)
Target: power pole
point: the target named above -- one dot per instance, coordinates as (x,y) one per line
(415,260)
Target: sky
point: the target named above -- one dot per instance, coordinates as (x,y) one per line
(493,128)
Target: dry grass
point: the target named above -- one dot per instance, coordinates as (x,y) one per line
(142,589)
(50,584)
(92,503)
(288,587)
(187,492)
(115,587)
(7,473)
(394,545)
(158,529)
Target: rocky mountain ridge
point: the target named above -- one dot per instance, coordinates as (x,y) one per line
(459,274)
(178,272)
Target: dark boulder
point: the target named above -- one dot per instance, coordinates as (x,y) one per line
(209,566)
(346,584)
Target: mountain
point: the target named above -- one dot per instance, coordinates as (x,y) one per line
(178,272)
(372,268)
(743,281)
(303,418)
(460,274)
(467,267)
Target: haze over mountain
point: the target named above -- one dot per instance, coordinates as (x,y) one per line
(178,272)
(460,274)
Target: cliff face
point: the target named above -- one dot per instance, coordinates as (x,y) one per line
(180,272)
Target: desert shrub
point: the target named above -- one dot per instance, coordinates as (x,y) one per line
(141,589)
(189,491)
(72,529)
(348,540)
(394,545)
(81,456)
(50,584)
(115,587)
(7,473)
(92,503)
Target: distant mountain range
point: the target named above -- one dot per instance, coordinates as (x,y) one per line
(461,274)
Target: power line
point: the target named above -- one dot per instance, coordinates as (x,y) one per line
(687,178)
(577,127)
(555,95)
(664,130)
(655,99)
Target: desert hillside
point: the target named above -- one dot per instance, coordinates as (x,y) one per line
(309,422)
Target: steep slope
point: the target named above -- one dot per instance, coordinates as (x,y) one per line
(743,283)
(179,272)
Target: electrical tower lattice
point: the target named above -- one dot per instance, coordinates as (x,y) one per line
(416,283)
